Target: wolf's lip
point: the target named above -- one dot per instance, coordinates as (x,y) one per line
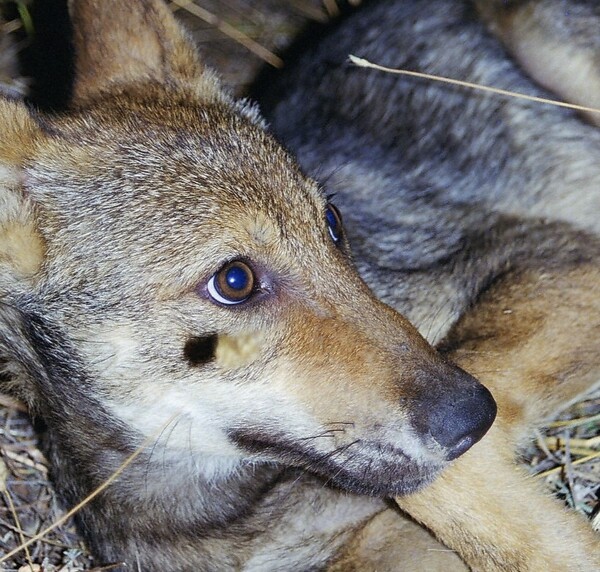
(362,467)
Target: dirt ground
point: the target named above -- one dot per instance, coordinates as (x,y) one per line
(236,37)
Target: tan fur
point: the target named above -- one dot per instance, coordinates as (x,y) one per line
(508,351)
(545,308)
(156,51)
(504,341)
(238,351)
(391,541)
(564,61)
(21,246)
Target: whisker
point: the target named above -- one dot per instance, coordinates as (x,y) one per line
(328,432)
(338,450)
(173,427)
(154,445)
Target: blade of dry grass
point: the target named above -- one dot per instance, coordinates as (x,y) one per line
(94,493)
(230,31)
(360,62)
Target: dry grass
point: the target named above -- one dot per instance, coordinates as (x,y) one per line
(28,504)
(269,25)
(567,455)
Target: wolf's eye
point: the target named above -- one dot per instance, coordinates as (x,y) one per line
(233,284)
(334,222)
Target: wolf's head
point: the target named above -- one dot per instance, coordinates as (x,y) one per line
(167,271)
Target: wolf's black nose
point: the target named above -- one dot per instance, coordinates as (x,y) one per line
(455,410)
(462,421)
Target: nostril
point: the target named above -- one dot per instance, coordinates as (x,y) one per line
(457,417)
(461,447)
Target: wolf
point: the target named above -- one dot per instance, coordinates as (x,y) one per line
(179,305)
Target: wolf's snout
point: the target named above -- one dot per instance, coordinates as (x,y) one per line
(455,410)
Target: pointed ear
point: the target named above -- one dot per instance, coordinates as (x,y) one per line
(124,42)
(21,246)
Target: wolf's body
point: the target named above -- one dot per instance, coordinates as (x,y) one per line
(430,234)
(475,216)
(275,423)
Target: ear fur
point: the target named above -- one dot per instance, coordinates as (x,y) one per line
(120,43)
(21,246)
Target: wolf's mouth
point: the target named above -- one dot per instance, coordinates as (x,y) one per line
(360,466)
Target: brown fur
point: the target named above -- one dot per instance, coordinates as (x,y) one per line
(505,341)
(508,351)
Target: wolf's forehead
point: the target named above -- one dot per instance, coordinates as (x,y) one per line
(183,161)
(174,198)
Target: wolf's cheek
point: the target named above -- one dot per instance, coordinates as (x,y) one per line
(111,352)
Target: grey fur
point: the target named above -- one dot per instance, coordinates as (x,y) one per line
(442,188)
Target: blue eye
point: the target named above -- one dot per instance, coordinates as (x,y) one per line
(233,284)
(334,223)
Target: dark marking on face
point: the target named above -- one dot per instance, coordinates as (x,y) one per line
(200,350)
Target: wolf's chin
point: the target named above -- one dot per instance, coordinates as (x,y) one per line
(392,487)
(379,478)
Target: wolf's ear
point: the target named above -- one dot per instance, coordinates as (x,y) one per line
(21,246)
(123,42)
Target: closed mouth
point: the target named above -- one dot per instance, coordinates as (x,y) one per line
(361,466)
